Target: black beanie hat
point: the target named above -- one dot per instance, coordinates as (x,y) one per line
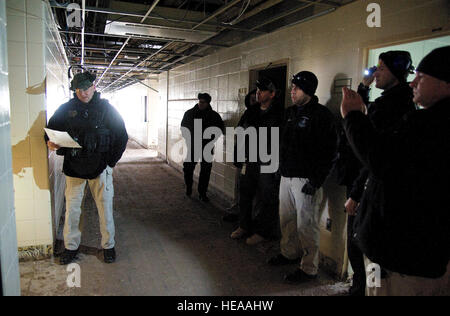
(307,81)
(399,63)
(204,96)
(437,64)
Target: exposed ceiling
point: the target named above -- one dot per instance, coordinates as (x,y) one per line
(127,41)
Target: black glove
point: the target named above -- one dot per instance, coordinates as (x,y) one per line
(309,189)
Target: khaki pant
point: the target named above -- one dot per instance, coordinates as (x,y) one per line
(299,221)
(396,284)
(102,190)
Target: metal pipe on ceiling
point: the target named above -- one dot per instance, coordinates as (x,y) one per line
(145,60)
(140,69)
(284,14)
(83,4)
(93,58)
(155,3)
(261,7)
(155,17)
(146,38)
(134,51)
(217,12)
(182,58)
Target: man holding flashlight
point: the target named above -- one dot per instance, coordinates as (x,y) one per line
(402,223)
(385,113)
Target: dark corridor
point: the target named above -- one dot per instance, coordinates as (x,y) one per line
(166,244)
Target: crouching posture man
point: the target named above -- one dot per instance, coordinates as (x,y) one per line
(100,131)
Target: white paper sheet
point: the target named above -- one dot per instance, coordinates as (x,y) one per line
(61,139)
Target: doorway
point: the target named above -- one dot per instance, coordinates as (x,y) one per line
(277,73)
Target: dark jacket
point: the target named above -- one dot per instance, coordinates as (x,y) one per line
(385,113)
(403,221)
(100,131)
(257,118)
(209,118)
(308,142)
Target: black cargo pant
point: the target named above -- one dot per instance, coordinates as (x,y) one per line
(265,187)
(205,173)
(355,255)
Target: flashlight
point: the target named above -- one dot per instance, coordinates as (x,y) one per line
(370,71)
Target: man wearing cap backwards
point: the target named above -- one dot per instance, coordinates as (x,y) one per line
(254,183)
(385,113)
(209,118)
(100,131)
(308,146)
(403,225)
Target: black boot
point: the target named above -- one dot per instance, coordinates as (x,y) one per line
(109,255)
(68,256)
(203,197)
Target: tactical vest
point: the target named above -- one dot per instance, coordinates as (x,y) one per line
(86,125)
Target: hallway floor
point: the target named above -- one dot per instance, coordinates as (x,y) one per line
(167,244)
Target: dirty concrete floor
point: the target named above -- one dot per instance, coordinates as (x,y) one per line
(167,244)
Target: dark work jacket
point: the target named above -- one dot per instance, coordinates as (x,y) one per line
(209,118)
(100,131)
(308,142)
(403,222)
(385,113)
(256,118)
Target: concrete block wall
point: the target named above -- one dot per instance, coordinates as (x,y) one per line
(57,92)
(162,116)
(9,263)
(37,79)
(333,46)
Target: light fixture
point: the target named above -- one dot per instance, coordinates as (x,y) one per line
(156,32)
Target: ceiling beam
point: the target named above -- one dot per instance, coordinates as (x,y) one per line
(155,3)
(217,12)
(156,17)
(129,50)
(286,13)
(144,38)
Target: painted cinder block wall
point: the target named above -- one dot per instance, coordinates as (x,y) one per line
(9,261)
(333,46)
(37,83)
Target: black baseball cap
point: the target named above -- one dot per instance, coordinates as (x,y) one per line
(82,80)
(265,84)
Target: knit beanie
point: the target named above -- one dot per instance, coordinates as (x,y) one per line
(307,81)
(399,63)
(437,64)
